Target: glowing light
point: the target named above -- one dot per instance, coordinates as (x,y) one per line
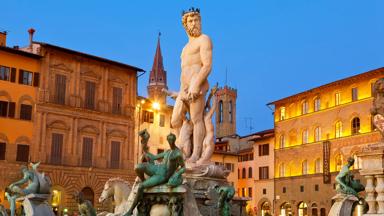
(142,101)
(156,106)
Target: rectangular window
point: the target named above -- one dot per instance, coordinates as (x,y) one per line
(284,189)
(60,88)
(282,113)
(148,116)
(11,109)
(87,152)
(3,108)
(304,107)
(263,149)
(249,192)
(26,112)
(317,104)
(25,77)
(57,148)
(117,100)
(263,172)
(4,73)
(22,153)
(354,94)
(264,191)
(162,121)
(36,79)
(2,151)
(337,99)
(243,192)
(301,188)
(229,166)
(90,89)
(317,187)
(115,154)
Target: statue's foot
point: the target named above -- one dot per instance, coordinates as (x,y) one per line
(192,159)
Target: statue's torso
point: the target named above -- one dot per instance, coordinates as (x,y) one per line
(191,64)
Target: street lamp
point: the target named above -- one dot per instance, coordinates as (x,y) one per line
(156,106)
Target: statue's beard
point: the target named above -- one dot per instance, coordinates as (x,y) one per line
(194,31)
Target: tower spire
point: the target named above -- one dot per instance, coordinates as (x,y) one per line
(157,76)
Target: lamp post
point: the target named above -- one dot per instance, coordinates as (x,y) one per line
(139,107)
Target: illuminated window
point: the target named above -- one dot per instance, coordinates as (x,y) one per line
(338,162)
(282,141)
(317,165)
(338,129)
(356,164)
(303,209)
(354,94)
(304,107)
(305,136)
(304,167)
(317,134)
(282,113)
(56,198)
(317,104)
(337,99)
(355,126)
(286,209)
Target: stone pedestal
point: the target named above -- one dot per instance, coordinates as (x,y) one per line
(36,205)
(206,199)
(372,161)
(343,205)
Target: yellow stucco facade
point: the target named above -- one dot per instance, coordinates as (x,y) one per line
(335,116)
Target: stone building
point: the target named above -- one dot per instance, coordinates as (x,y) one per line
(82,122)
(226,111)
(315,132)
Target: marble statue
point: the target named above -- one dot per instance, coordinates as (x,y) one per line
(85,206)
(169,171)
(196,64)
(119,189)
(377,109)
(346,182)
(38,183)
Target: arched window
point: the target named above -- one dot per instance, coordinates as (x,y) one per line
(304,167)
(282,113)
(355,126)
(230,112)
(282,141)
(317,134)
(265,208)
(317,165)
(338,129)
(303,209)
(317,104)
(305,136)
(338,162)
(88,194)
(286,209)
(244,174)
(304,107)
(221,111)
(314,209)
(282,170)
(250,172)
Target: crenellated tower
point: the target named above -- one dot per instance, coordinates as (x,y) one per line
(226,111)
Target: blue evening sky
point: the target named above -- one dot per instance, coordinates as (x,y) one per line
(270,48)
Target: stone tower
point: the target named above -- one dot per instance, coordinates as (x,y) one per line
(157,78)
(226,111)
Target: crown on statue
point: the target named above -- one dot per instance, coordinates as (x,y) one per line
(190,10)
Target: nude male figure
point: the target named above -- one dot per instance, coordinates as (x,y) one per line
(196,64)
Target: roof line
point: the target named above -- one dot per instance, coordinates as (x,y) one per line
(20,52)
(90,56)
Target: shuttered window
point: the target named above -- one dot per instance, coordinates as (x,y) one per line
(117,100)
(22,153)
(26,112)
(56,148)
(3,108)
(60,88)
(148,116)
(2,151)
(263,149)
(13,74)
(87,152)
(115,154)
(36,79)
(90,88)
(4,73)
(25,77)
(11,109)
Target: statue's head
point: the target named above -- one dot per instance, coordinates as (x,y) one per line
(171,139)
(351,161)
(191,20)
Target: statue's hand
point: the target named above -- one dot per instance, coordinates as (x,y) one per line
(193,93)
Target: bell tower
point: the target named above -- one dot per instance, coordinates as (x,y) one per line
(226,111)
(157,77)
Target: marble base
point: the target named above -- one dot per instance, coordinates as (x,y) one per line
(343,205)
(36,205)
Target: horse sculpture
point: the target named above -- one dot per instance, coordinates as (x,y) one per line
(120,190)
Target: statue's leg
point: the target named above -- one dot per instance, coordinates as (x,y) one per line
(197,109)
(178,114)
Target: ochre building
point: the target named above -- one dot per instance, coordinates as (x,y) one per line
(315,132)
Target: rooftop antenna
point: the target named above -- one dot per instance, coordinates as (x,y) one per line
(250,124)
(226,76)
